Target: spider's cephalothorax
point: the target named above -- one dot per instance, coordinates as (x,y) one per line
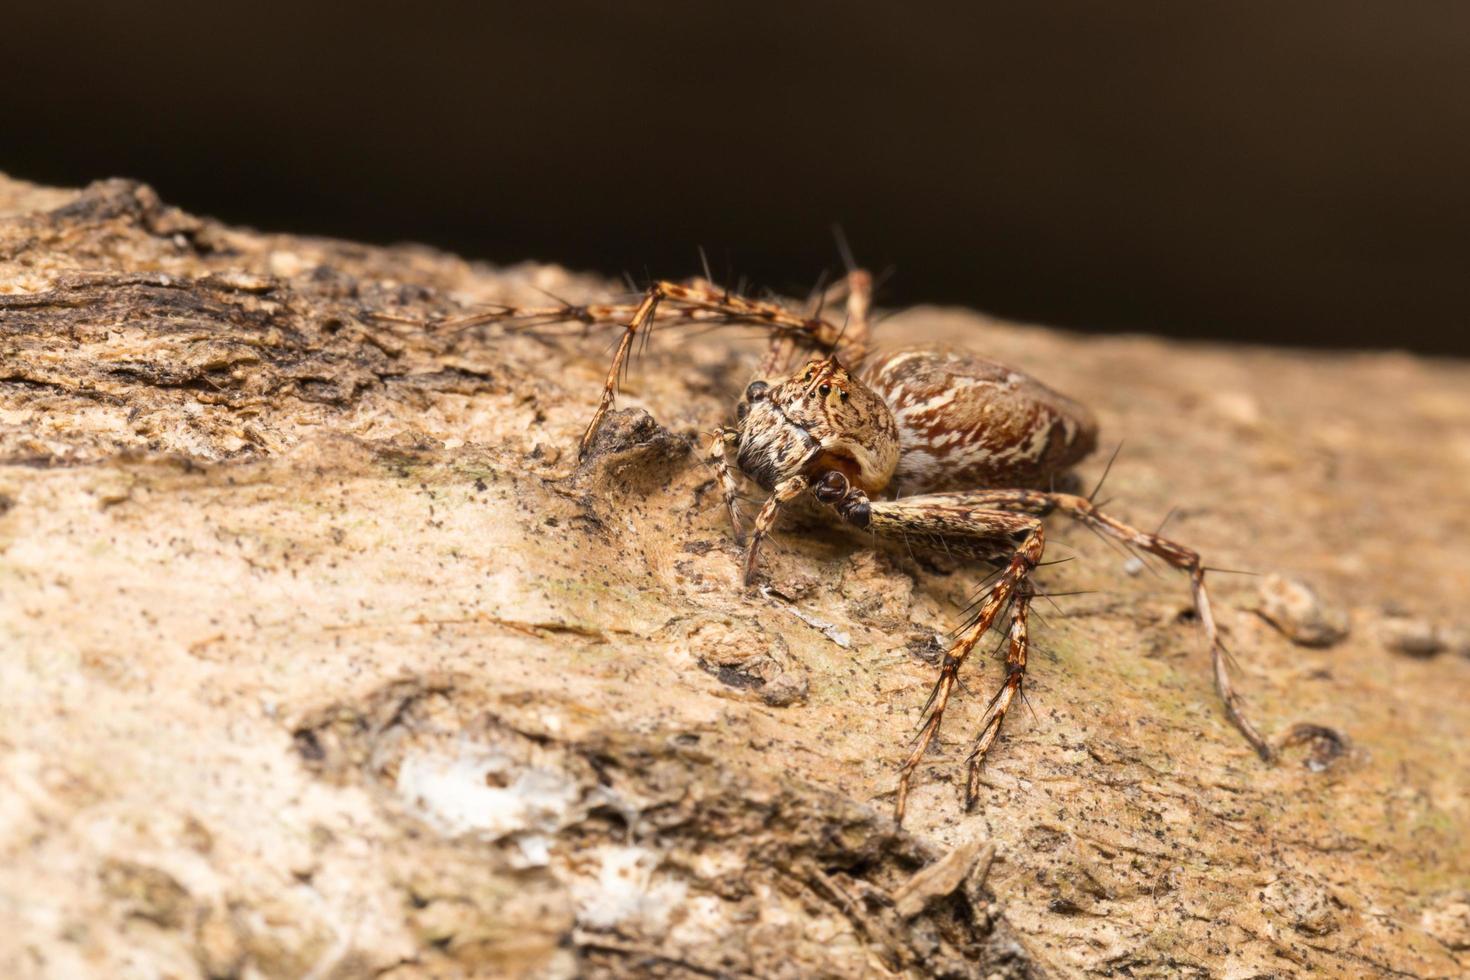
(927,445)
(819,419)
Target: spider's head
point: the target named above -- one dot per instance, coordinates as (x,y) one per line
(821,418)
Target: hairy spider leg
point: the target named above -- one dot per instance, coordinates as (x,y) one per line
(731,306)
(1084,511)
(786,491)
(1018,645)
(724,440)
(532,318)
(696,302)
(953,520)
(851,345)
(683,303)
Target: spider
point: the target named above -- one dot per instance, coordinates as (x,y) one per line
(935,446)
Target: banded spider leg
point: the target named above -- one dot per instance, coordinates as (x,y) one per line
(702,302)
(966,522)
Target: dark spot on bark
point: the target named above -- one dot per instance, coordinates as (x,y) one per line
(1045,839)
(632,451)
(1324,745)
(731,676)
(634,429)
(926,647)
(308,746)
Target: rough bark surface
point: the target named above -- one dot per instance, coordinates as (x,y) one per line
(322,656)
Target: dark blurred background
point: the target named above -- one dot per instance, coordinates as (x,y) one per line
(1294,173)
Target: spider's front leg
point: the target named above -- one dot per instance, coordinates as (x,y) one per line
(786,491)
(701,302)
(790,329)
(855,290)
(951,520)
(698,302)
(725,441)
(1187,560)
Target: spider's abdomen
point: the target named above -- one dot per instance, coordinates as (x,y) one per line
(967,422)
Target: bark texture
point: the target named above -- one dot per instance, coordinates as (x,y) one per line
(323,656)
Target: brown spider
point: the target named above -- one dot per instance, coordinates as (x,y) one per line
(936,446)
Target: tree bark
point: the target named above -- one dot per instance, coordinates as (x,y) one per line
(324,656)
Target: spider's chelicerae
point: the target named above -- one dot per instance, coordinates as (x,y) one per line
(935,446)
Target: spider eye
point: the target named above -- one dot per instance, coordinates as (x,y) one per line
(825,390)
(842,395)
